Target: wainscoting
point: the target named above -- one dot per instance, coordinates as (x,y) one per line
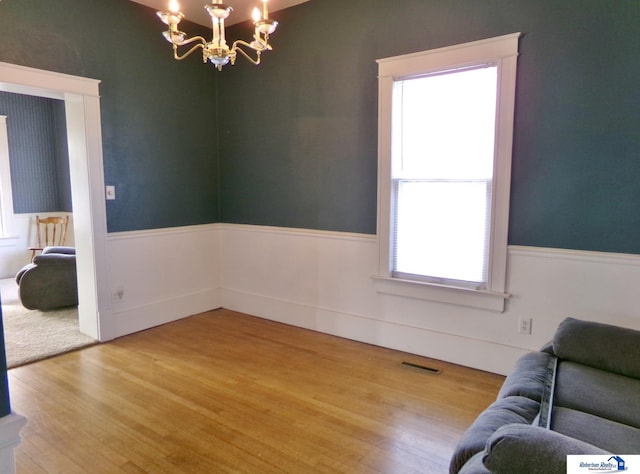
(322,281)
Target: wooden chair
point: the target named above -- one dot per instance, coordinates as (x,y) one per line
(50,231)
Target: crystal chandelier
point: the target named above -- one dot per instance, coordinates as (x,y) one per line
(217,51)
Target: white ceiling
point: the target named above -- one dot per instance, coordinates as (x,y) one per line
(194,9)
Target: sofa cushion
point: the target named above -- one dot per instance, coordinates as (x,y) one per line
(604,394)
(605,434)
(527,379)
(502,412)
(527,449)
(603,346)
(60,259)
(60,250)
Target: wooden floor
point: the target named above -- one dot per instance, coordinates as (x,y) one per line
(225,392)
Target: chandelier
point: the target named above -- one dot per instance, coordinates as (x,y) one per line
(217,51)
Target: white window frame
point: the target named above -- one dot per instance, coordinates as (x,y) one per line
(503,51)
(6,195)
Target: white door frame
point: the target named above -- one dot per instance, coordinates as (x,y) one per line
(84,134)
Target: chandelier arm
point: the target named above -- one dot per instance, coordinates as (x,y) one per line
(190,40)
(246,55)
(238,43)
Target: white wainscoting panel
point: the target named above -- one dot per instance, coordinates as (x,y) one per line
(322,281)
(158,276)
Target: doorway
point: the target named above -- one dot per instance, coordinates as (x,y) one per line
(84,136)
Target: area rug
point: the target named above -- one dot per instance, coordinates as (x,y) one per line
(35,335)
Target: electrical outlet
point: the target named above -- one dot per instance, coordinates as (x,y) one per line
(524,325)
(117,295)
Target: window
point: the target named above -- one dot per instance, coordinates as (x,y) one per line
(445,139)
(6,198)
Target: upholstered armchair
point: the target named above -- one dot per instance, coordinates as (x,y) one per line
(50,281)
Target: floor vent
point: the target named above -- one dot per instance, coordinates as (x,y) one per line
(424,368)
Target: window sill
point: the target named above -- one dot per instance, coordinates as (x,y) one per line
(481,299)
(9,241)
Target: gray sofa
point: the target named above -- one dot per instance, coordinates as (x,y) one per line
(50,281)
(579,395)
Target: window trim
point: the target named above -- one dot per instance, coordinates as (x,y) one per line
(503,51)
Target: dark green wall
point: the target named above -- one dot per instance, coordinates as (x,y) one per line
(299,148)
(298,145)
(38,153)
(158,114)
(298,134)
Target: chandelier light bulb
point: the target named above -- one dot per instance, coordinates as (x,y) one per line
(174,6)
(255,14)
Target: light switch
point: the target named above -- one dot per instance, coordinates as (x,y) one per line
(111,193)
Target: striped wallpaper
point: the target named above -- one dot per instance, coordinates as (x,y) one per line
(38,153)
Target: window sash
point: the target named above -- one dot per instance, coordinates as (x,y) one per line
(441,231)
(443,124)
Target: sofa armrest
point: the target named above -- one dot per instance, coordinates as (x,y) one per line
(24,270)
(602,346)
(528,377)
(503,411)
(49,282)
(528,449)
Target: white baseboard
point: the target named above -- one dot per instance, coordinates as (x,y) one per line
(461,350)
(129,320)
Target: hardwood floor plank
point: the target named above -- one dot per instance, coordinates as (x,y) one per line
(225,392)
